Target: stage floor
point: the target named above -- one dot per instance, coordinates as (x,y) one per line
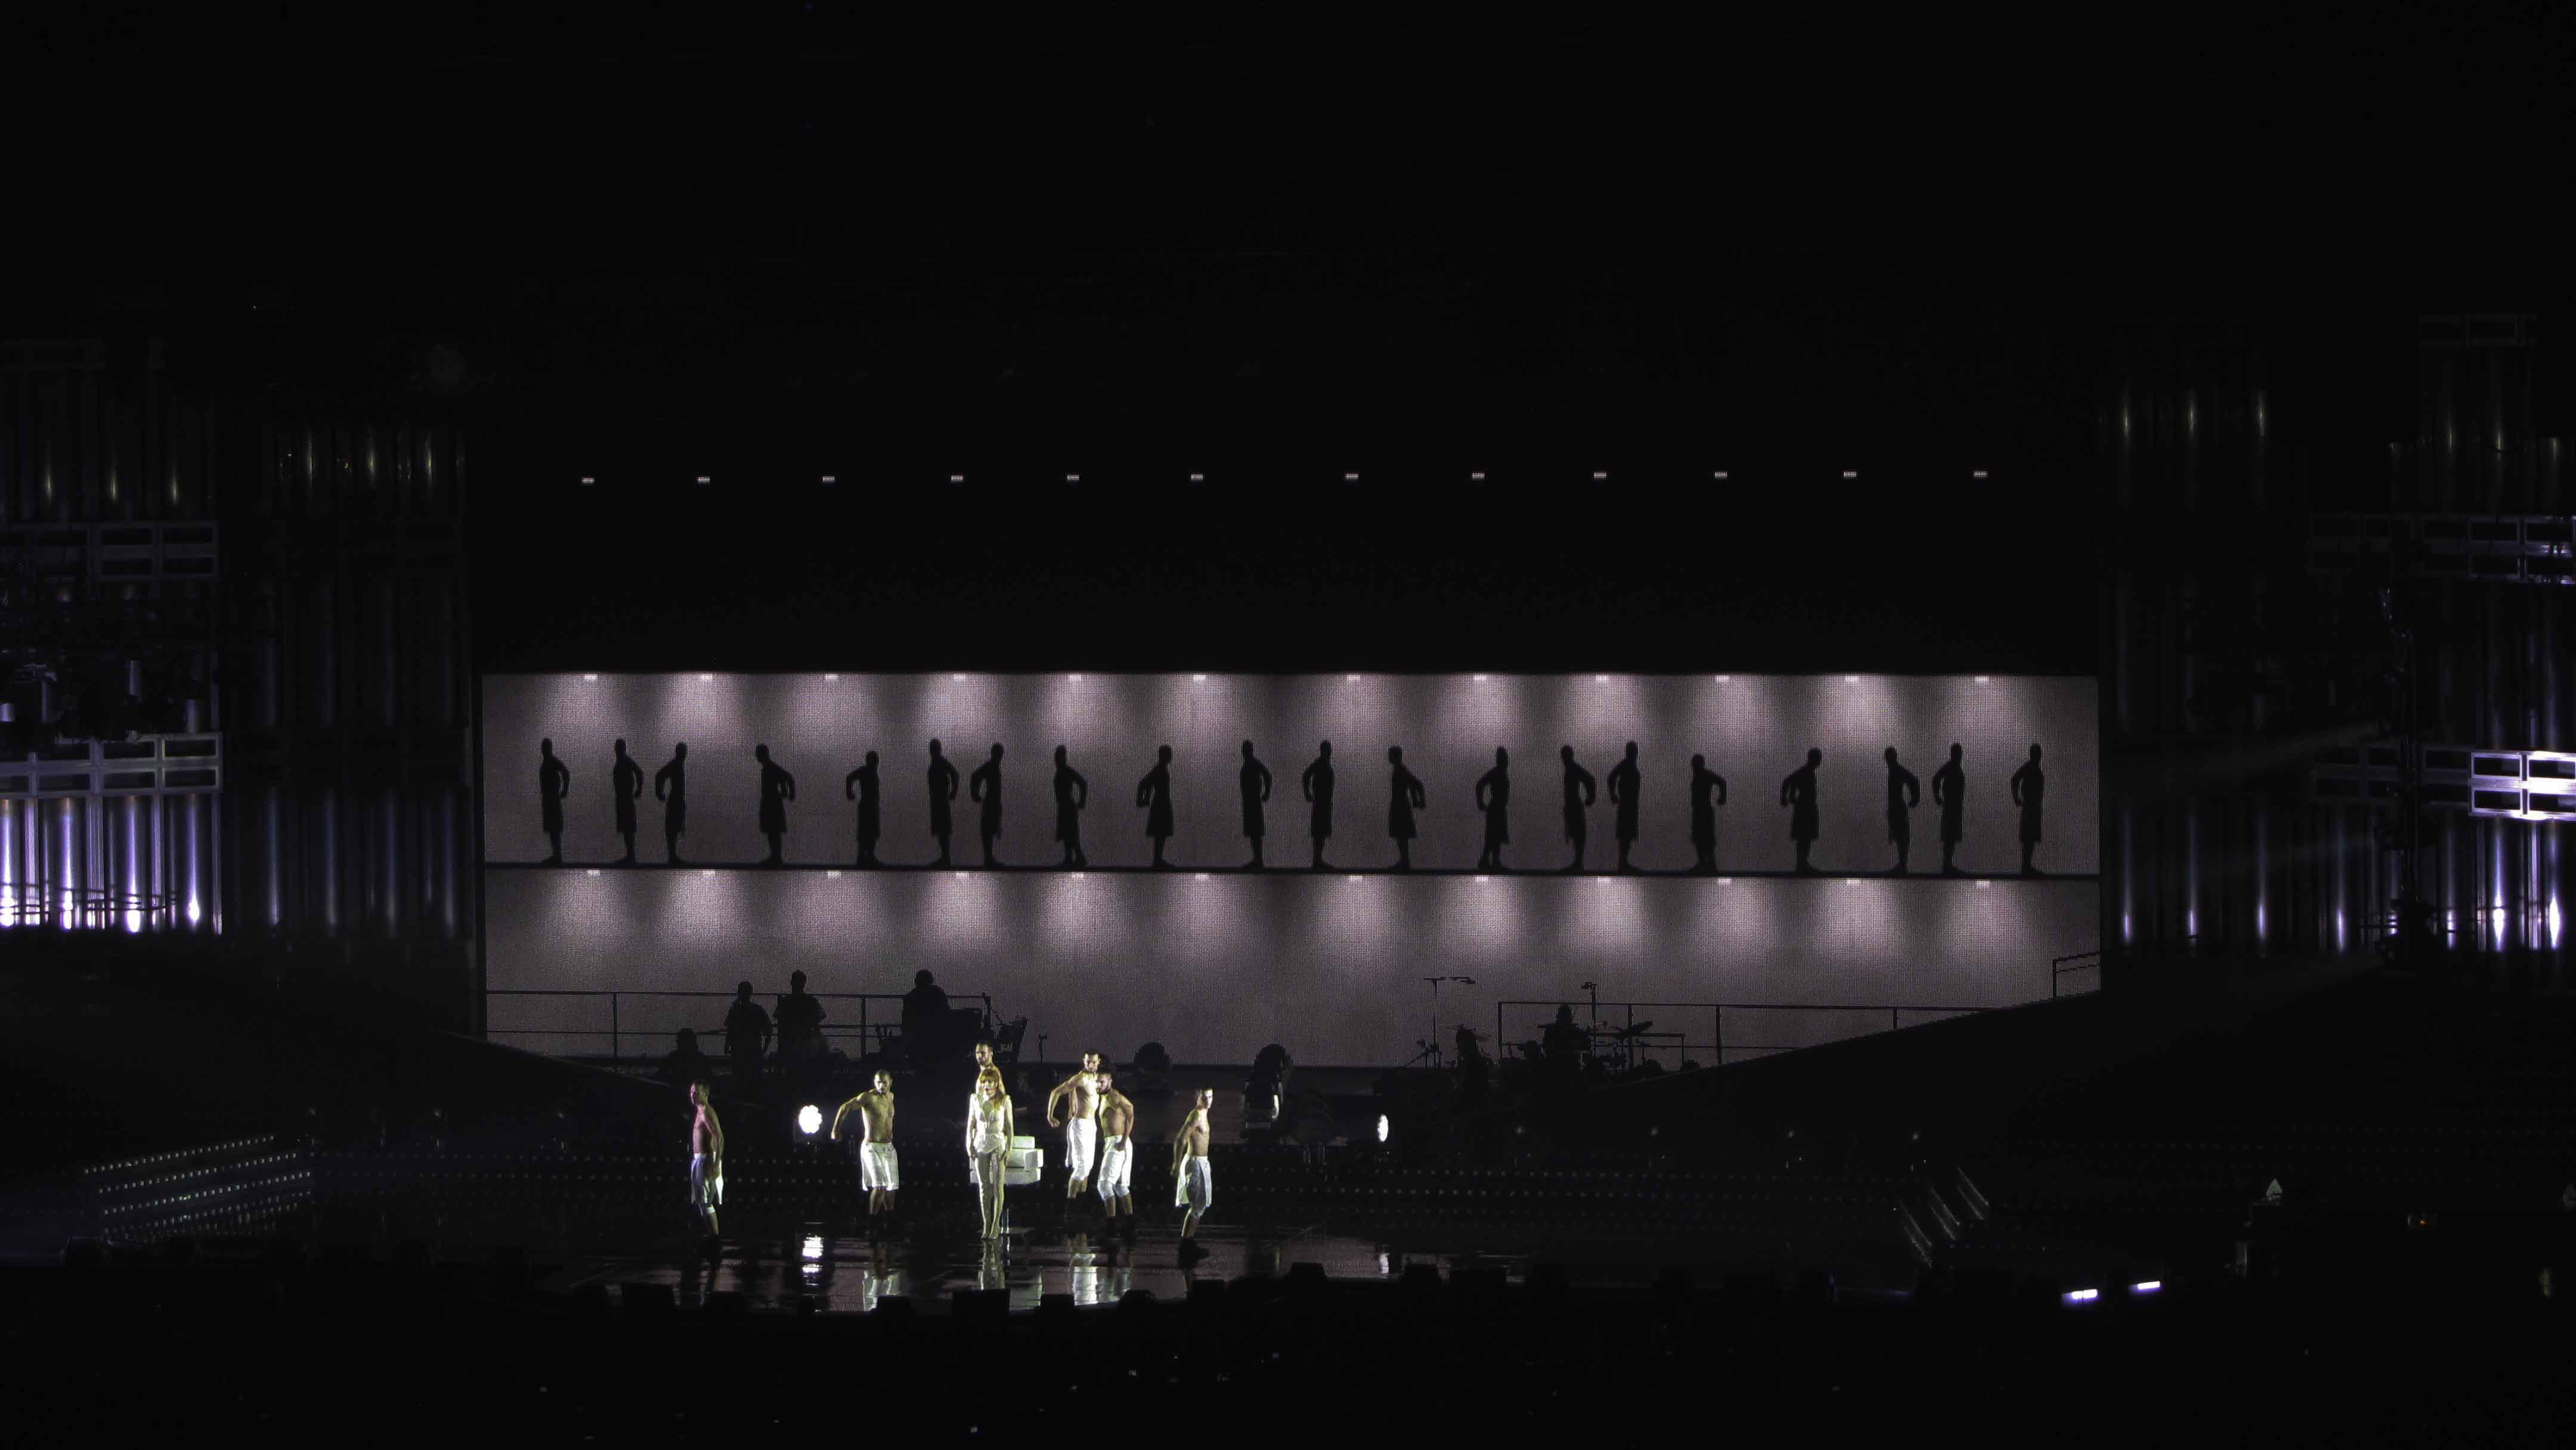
(845,1275)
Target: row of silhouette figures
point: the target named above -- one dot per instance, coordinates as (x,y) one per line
(1405,798)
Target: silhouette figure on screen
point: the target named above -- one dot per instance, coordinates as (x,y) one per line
(1704,814)
(1799,793)
(1904,793)
(985,786)
(1255,781)
(1154,795)
(943,789)
(1579,795)
(625,783)
(1072,793)
(1624,781)
(1404,798)
(1949,791)
(2029,787)
(1494,798)
(861,785)
(800,1022)
(671,788)
(777,788)
(552,782)
(1317,786)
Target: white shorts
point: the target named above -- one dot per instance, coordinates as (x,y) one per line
(1117,1158)
(1195,1186)
(877,1167)
(1081,1138)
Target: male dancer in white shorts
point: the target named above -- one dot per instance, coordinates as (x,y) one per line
(706,1155)
(1193,1186)
(1117,1155)
(1081,1127)
(877,1169)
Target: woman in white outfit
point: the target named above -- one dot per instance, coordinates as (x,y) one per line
(988,1135)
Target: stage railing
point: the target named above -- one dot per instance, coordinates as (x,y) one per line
(2059,967)
(872,1033)
(1625,1037)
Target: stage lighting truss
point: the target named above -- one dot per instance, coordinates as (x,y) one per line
(2522,785)
(2490,548)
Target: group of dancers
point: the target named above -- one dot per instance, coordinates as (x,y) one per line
(1799,793)
(1098,1123)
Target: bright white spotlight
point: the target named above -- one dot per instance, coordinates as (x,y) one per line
(1381,1127)
(705,679)
(702,478)
(590,677)
(1721,473)
(1976,473)
(961,875)
(1726,881)
(830,679)
(1851,679)
(958,675)
(1985,679)
(1475,478)
(1722,679)
(589,482)
(1077,875)
(1354,878)
(828,478)
(813,1242)
(1983,885)
(1198,478)
(1600,679)
(1202,679)
(1202,876)
(809,1120)
(1077,679)
(192,911)
(956,478)
(2082,1296)
(1598,475)
(1851,473)
(831,875)
(2149,1287)
(1350,478)
(1482,879)
(710,871)
(1480,679)
(1354,679)
(593,871)
(1073,478)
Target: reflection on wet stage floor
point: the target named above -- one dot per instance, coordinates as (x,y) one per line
(850,1275)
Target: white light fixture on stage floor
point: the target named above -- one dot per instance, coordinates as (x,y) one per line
(809,1120)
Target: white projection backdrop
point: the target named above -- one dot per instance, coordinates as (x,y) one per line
(1331,965)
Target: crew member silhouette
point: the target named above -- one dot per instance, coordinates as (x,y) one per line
(1904,793)
(1579,796)
(1317,786)
(671,788)
(1072,793)
(1949,792)
(861,785)
(2029,787)
(1704,815)
(552,781)
(625,783)
(943,789)
(1494,798)
(777,788)
(1255,781)
(1404,799)
(1799,793)
(1154,795)
(1624,780)
(985,785)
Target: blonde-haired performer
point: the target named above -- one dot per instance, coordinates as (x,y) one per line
(988,1138)
(706,1154)
(1193,1187)
(1117,1153)
(878,1173)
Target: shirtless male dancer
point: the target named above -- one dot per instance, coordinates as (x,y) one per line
(706,1154)
(1081,1126)
(1193,1186)
(877,1172)
(1117,1155)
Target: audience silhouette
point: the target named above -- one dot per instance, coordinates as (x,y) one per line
(1317,786)
(1903,795)
(2029,787)
(1579,796)
(985,786)
(552,782)
(671,788)
(625,783)
(685,1064)
(1949,792)
(943,789)
(1255,781)
(861,785)
(777,788)
(1703,815)
(1494,798)
(1154,795)
(1072,793)
(1799,793)
(1624,780)
(1405,798)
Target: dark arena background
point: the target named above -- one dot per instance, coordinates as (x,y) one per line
(404,410)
